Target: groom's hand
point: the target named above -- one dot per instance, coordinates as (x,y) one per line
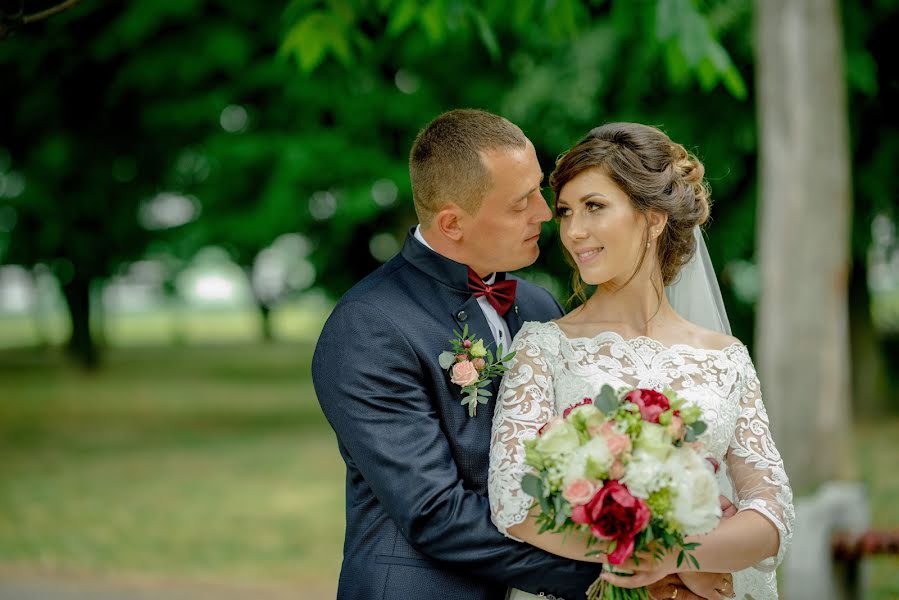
(694,586)
(727,507)
(671,587)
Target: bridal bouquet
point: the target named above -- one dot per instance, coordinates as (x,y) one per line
(625,469)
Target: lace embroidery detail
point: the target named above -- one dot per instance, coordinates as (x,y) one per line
(551,370)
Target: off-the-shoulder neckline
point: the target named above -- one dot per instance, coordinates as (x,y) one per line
(614,335)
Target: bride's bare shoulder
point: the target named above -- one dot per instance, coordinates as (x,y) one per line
(708,338)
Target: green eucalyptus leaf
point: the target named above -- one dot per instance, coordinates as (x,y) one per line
(532,485)
(446,359)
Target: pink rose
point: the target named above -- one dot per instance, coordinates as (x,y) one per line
(618,444)
(464,373)
(616,471)
(479,364)
(651,403)
(606,429)
(677,429)
(579,492)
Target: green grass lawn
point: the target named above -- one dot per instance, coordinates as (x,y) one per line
(192,462)
(211,463)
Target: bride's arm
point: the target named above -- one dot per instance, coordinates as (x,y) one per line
(525,402)
(572,545)
(758,535)
(763,495)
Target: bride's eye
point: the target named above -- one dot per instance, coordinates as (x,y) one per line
(594,206)
(562,211)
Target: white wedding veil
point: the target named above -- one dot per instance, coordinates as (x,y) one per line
(695,294)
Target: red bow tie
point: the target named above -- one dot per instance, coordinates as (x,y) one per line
(500,295)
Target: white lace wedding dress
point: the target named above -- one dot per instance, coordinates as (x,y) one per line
(551,371)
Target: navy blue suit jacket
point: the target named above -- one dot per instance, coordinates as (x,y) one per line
(417,515)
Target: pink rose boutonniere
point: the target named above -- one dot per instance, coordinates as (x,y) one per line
(472,366)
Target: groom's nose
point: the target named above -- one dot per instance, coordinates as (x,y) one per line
(542,213)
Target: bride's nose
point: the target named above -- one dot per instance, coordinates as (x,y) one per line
(575,229)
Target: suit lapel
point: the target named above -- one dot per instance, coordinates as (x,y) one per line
(513,321)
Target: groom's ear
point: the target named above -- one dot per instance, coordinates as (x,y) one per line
(448,222)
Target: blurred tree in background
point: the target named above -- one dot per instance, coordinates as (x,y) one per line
(159,128)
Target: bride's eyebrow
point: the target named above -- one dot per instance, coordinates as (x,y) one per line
(589,195)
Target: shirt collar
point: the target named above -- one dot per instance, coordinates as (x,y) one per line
(418,236)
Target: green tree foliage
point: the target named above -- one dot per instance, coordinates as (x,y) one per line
(302,121)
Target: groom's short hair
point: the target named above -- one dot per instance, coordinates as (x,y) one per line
(445,163)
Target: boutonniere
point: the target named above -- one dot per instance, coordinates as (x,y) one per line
(472,366)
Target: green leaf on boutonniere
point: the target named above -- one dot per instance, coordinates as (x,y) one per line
(484,392)
(698,427)
(446,359)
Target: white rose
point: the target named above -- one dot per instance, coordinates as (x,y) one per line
(561,438)
(654,440)
(695,505)
(590,461)
(576,466)
(645,474)
(599,458)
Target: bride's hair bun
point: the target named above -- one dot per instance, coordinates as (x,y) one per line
(656,173)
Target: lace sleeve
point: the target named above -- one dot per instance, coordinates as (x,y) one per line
(524,403)
(756,468)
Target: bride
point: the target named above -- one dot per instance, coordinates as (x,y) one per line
(629,202)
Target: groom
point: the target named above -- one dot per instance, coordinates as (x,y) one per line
(417,515)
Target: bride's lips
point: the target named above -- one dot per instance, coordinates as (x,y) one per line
(587,255)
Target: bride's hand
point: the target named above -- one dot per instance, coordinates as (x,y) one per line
(713,586)
(644,569)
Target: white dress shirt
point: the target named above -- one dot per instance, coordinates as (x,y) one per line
(498,326)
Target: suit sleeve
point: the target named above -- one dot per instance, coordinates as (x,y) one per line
(370,384)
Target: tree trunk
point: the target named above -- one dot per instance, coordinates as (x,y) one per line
(81,343)
(803,238)
(265,314)
(265,311)
(869,372)
(38,314)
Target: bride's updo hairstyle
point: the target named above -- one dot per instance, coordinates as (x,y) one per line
(656,174)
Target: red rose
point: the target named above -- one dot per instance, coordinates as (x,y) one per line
(573,406)
(614,514)
(651,403)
